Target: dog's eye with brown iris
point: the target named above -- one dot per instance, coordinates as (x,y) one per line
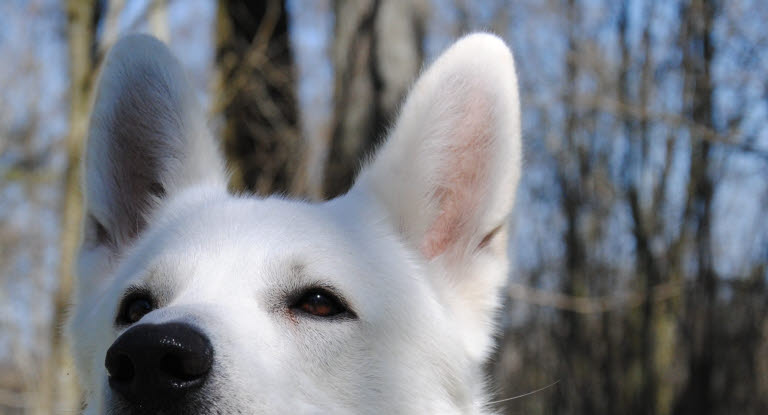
(320,303)
(133,308)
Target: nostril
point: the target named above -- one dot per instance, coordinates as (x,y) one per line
(185,366)
(120,367)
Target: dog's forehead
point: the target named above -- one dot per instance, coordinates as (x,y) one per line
(266,228)
(228,244)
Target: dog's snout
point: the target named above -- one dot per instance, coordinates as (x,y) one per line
(155,364)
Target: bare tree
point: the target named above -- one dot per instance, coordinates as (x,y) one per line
(377,53)
(257,98)
(158,20)
(698,54)
(83,17)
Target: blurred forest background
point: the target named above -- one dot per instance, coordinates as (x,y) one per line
(640,238)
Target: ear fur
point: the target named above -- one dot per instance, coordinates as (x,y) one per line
(447,174)
(147,141)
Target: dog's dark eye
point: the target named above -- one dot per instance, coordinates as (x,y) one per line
(321,303)
(134,307)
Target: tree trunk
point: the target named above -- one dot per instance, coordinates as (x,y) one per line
(158,20)
(111,30)
(698,53)
(377,53)
(647,268)
(83,16)
(570,176)
(256,95)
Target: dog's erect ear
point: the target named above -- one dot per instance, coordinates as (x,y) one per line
(448,172)
(449,169)
(147,141)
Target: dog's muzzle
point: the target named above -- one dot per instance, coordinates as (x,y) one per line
(158,366)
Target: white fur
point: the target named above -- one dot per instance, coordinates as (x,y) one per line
(406,247)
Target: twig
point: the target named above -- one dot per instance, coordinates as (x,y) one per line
(592,305)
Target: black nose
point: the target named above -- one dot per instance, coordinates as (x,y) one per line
(154,365)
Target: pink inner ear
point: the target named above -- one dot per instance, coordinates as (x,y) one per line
(461,177)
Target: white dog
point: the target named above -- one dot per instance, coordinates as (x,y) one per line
(382,301)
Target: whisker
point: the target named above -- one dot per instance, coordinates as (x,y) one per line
(525,394)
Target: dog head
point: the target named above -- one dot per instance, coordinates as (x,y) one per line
(191,300)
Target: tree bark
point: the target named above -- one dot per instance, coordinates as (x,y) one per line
(698,53)
(158,20)
(83,15)
(647,266)
(256,95)
(570,175)
(377,53)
